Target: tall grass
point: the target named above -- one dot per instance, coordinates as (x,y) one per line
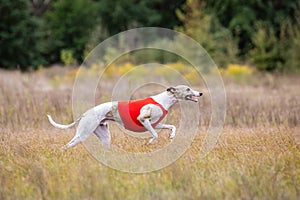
(257,155)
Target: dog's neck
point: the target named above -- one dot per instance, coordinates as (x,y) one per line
(165,99)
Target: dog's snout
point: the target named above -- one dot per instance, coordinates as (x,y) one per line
(200,94)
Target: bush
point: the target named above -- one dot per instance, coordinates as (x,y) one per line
(237,72)
(67,57)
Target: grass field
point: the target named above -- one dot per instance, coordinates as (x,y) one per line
(256,157)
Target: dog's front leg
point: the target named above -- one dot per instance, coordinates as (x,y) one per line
(146,123)
(144,118)
(167,126)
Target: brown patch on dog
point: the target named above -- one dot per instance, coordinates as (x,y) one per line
(112,113)
(146,115)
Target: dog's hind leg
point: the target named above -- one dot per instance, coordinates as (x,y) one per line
(76,139)
(102,132)
(72,143)
(86,126)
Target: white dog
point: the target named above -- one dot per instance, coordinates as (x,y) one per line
(138,115)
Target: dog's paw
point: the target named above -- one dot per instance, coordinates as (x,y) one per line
(63,148)
(151,140)
(172,135)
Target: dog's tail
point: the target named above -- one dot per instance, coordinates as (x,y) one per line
(61,126)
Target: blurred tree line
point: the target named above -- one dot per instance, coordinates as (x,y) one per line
(265,33)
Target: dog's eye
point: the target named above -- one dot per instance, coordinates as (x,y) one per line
(188,89)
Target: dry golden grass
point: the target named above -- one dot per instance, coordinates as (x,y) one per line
(256,157)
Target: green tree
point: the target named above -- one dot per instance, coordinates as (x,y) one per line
(216,39)
(241,16)
(266,54)
(69,24)
(292,54)
(18,36)
(120,15)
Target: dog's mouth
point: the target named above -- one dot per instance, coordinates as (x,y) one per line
(191,98)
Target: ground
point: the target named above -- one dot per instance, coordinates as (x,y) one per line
(256,157)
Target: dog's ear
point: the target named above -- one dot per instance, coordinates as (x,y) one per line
(171,89)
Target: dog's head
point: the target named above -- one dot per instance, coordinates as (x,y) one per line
(183,92)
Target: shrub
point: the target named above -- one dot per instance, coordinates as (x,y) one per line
(237,72)
(67,57)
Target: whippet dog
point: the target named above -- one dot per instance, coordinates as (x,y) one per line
(137,115)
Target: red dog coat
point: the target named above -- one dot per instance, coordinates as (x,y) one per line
(130,110)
